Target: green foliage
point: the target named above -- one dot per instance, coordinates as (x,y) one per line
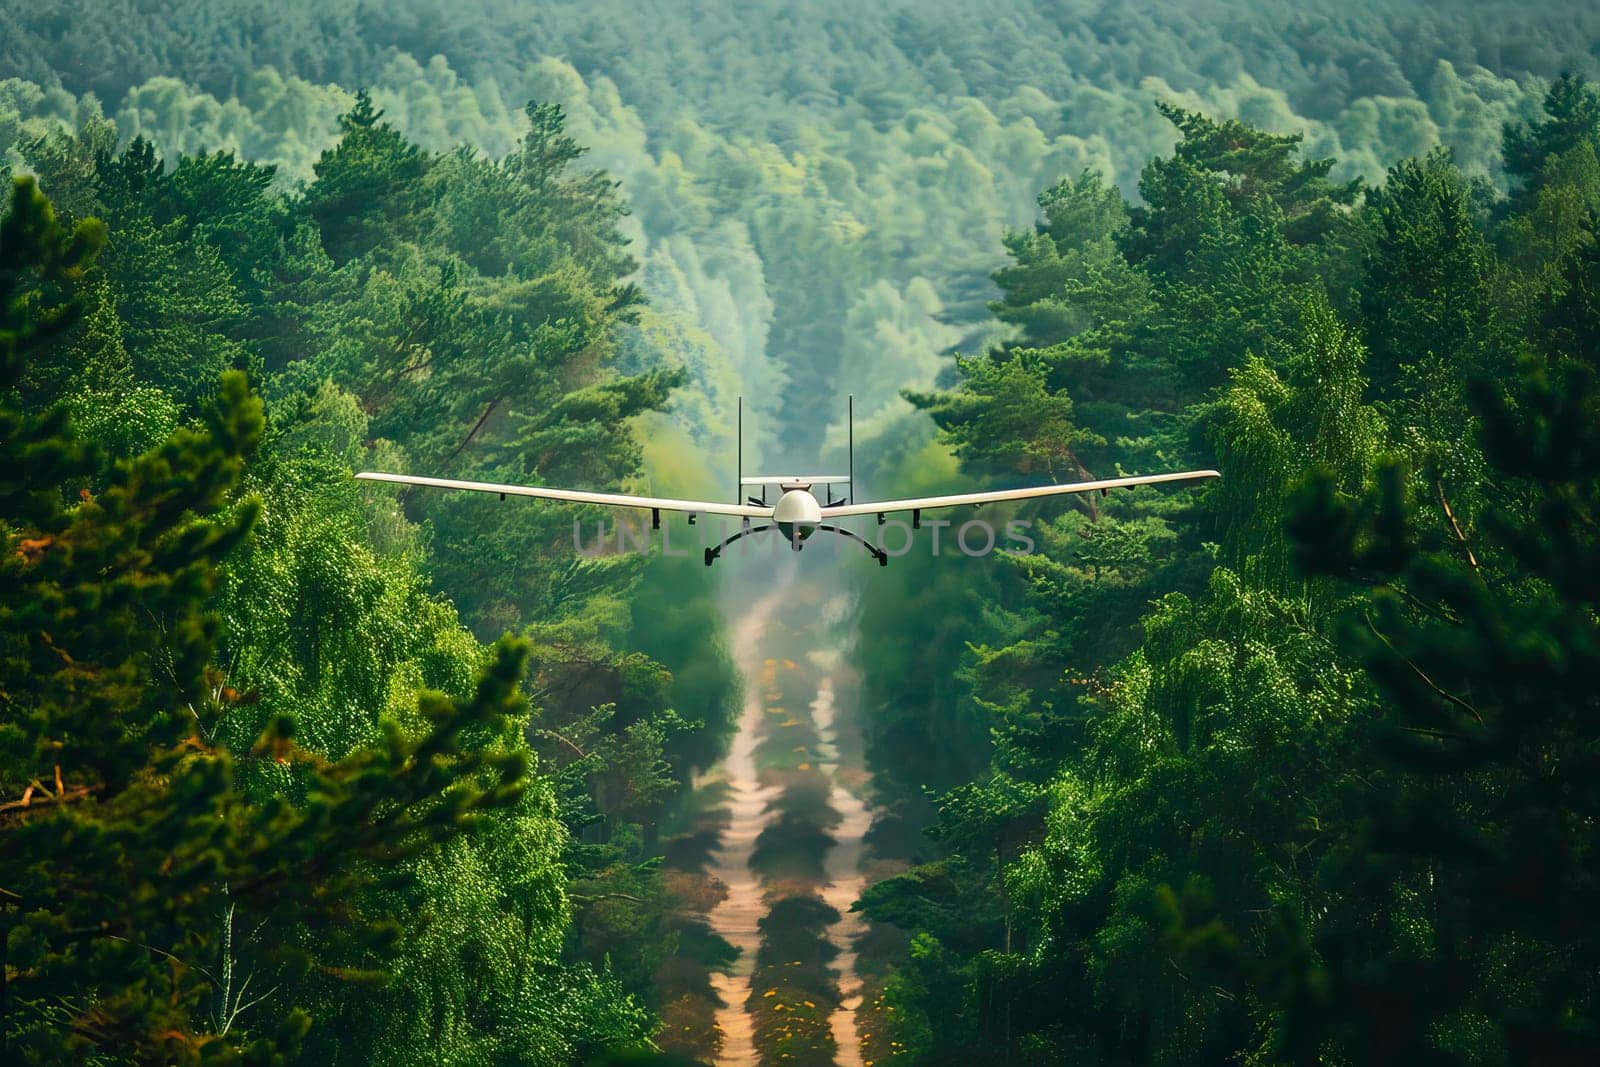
(133,839)
(1331,804)
(1571,116)
(377,343)
(1199,791)
(367,186)
(1227,163)
(1005,420)
(1427,292)
(819,191)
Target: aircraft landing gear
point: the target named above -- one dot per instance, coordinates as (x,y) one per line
(713,553)
(877,553)
(882,556)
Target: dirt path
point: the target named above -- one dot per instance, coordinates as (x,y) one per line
(769,865)
(737,918)
(845,879)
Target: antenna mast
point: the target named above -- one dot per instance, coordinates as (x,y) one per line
(851,419)
(738,482)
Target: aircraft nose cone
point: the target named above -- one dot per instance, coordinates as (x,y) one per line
(797,507)
(797,515)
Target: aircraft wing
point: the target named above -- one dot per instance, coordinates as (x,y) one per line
(996,496)
(574,496)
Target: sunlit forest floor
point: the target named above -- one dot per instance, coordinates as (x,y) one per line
(773,857)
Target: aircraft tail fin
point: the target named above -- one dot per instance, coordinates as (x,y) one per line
(799,480)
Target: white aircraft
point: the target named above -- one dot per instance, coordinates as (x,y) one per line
(797,513)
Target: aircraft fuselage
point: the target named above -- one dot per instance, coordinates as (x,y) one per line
(797,514)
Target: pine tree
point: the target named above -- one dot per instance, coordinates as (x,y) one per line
(369,186)
(1229,163)
(1429,310)
(1555,165)
(1571,120)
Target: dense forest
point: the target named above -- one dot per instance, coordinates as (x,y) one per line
(1296,767)
(817,190)
(197,591)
